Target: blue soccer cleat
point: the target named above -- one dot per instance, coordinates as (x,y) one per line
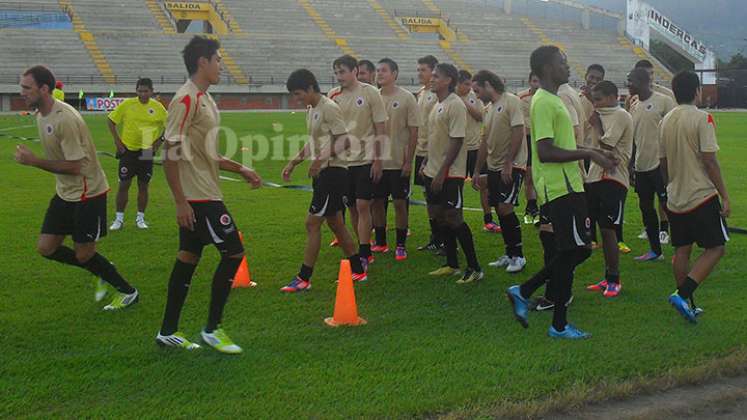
(682,307)
(519,304)
(569,333)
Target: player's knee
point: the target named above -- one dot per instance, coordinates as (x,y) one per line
(124,184)
(400,205)
(142,186)
(505,209)
(313,224)
(188,257)
(45,248)
(582,254)
(718,251)
(236,256)
(83,255)
(363,206)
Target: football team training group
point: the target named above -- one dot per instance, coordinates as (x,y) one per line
(575,155)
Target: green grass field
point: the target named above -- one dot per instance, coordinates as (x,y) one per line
(431,346)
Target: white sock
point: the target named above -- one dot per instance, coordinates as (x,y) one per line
(140,215)
(119,216)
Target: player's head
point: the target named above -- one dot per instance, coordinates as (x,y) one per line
(594,75)
(550,64)
(445,78)
(648,66)
(604,94)
(202,57)
(487,85)
(346,70)
(144,89)
(686,87)
(534,81)
(37,84)
(387,72)
(302,84)
(425,69)
(366,71)
(465,83)
(639,81)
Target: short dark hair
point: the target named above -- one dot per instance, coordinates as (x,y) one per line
(302,79)
(487,76)
(532,74)
(606,88)
(685,86)
(596,67)
(144,81)
(449,70)
(464,75)
(429,61)
(391,63)
(541,57)
(367,64)
(640,73)
(644,64)
(347,61)
(199,47)
(42,76)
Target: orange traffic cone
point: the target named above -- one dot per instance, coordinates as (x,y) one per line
(243,278)
(346,311)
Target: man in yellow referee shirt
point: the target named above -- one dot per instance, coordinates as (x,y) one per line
(142,121)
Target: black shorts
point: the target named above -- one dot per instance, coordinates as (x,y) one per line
(214,225)
(136,163)
(472,162)
(418,163)
(85,220)
(529,151)
(394,184)
(330,188)
(703,225)
(360,184)
(570,221)
(451,194)
(606,203)
(650,183)
(500,192)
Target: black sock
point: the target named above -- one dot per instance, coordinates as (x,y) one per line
(222,282)
(651,222)
(511,230)
(561,283)
(181,278)
(612,276)
(528,288)
(101,267)
(401,237)
(305,272)
(435,232)
(532,207)
(449,237)
(355,263)
(619,232)
(464,234)
(548,246)
(487,218)
(364,250)
(664,226)
(64,255)
(380,235)
(688,288)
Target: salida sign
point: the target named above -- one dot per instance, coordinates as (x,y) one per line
(675,34)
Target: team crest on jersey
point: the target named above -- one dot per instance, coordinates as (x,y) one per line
(429,98)
(123,170)
(315,116)
(440,109)
(49,129)
(587,223)
(649,107)
(472,101)
(225,220)
(499,109)
(359,102)
(151,111)
(395,104)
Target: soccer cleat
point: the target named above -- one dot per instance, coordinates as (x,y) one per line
(519,304)
(297,285)
(643,235)
(612,290)
(595,245)
(400,254)
(528,219)
(682,307)
(176,339)
(220,341)
(123,300)
(664,237)
(101,290)
(516,265)
(624,248)
(445,271)
(569,333)
(140,223)
(380,248)
(649,256)
(597,287)
(470,276)
(492,228)
(543,304)
(334,243)
(358,277)
(503,261)
(697,311)
(116,224)
(430,246)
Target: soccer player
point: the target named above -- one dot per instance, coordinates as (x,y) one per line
(398,153)
(504,148)
(444,171)
(366,72)
(531,212)
(560,190)
(647,112)
(612,130)
(325,147)
(365,115)
(192,165)
(694,185)
(78,208)
(426,101)
(649,67)
(475,112)
(142,120)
